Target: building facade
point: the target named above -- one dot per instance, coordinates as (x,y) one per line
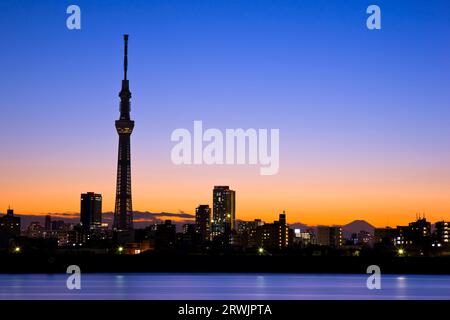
(224,211)
(329,236)
(384,236)
(275,236)
(91,211)
(203,222)
(417,233)
(442,233)
(10,224)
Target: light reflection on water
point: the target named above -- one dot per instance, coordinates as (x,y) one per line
(161,286)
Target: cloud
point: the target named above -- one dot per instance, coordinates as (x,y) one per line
(146,214)
(167,214)
(141,218)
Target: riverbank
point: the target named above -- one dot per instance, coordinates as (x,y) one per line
(94,263)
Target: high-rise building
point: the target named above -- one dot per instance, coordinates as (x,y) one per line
(91,211)
(123,212)
(224,211)
(203,221)
(10,224)
(329,236)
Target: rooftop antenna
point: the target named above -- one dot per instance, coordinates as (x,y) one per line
(125,56)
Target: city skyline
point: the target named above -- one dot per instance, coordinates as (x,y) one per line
(146,218)
(363,136)
(220,227)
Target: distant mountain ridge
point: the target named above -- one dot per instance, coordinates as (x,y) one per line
(356,226)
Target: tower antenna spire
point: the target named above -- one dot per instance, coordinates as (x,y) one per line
(125,56)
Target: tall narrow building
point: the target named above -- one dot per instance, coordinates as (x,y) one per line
(123,213)
(91,211)
(203,221)
(224,211)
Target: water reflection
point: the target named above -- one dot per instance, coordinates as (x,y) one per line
(156,286)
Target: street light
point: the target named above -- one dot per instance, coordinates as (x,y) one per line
(120,249)
(17,249)
(401,252)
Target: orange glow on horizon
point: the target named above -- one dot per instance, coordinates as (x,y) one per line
(311,193)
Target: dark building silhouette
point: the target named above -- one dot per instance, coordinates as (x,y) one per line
(48,222)
(276,235)
(59,225)
(304,238)
(123,212)
(60,230)
(417,233)
(245,226)
(385,236)
(402,236)
(165,235)
(361,238)
(78,236)
(189,234)
(90,211)
(420,229)
(247,232)
(9,225)
(329,236)
(203,222)
(224,211)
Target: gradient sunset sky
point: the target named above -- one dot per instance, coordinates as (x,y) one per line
(364,116)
